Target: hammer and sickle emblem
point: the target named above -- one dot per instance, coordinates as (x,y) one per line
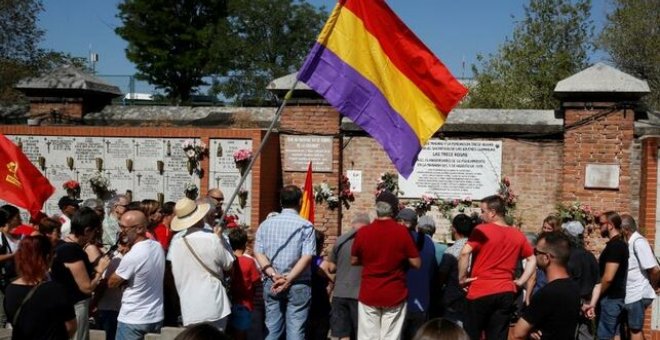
(12,167)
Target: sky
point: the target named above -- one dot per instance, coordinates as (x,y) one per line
(456,31)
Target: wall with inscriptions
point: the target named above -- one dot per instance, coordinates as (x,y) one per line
(150,162)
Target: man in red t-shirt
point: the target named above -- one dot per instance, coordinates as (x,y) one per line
(385,250)
(496,248)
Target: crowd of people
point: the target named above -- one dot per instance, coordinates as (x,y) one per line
(130,268)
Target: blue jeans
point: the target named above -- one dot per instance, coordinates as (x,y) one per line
(290,307)
(127,331)
(610,311)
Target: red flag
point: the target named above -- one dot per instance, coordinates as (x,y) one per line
(21,183)
(307,206)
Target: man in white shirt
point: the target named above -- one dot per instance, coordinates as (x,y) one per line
(199,259)
(141,270)
(643,272)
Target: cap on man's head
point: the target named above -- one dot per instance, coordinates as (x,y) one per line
(389,198)
(407,215)
(573,228)
(66,201)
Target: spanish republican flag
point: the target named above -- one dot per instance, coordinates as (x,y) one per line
(21,183)
(307,207)
(373,69)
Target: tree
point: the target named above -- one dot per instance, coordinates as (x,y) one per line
(270,39)
(552,42)
(175,43)
(631,36)
(20,55)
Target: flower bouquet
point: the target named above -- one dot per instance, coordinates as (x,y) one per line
(424,205)
(100,184)
(390,182)
(195,150)
(191,191)
(345,194)
(242,158)
(576,211)
(72,189)
(242,198)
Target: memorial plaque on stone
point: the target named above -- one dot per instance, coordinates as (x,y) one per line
(87,150)
(452,169)
(58,150)
(57,178)
(117,152)
(121,180)
(221,153)
(83,176)
(175,184)
(147,185)
(300,150)
(174,157)
(147,152)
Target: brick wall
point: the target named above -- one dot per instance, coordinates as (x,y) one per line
(317,120)
(68,109)
(264,173)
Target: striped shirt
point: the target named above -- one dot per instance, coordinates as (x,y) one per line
(284,239)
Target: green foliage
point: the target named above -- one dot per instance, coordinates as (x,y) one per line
(270,39)
(175,43)
(632,38)
(575,211)
(552,42)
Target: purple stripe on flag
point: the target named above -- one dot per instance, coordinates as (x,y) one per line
(360,100)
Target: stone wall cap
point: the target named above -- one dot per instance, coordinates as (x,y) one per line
(602,78)
(494,121)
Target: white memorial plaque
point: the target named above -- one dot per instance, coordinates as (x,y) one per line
(225,175)
(453,169)
(175,184)
(117,152)
(601,176)
(355,177)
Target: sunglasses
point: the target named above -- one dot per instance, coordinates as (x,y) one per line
(539,252)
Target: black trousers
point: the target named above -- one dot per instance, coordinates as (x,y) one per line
(490,314)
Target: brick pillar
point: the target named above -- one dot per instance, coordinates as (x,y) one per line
(648,200)
(316,120)
(604,140)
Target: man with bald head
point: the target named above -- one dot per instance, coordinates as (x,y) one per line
(141,270)
(216,197)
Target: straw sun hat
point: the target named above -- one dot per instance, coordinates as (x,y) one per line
(188,213)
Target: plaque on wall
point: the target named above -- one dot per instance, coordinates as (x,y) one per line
(601,176)
(224,174)
(452,169)
(298,151)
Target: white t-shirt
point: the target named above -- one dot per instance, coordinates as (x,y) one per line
(66,226)
(637,285)
(144,269)
(203,297)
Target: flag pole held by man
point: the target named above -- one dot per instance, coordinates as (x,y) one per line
(369,66)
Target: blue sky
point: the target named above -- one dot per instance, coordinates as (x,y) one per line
(455,31)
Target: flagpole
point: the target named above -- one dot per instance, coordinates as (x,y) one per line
(278,114)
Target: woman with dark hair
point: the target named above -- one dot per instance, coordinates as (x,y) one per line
(36,307)
(441,329)
(74,270)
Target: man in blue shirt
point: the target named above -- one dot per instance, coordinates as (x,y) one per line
(284,247)
(419,281)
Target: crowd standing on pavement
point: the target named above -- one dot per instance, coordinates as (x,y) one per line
(130,268)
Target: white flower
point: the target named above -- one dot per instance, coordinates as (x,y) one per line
(190,153)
